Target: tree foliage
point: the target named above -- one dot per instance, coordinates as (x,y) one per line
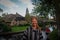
(27,16)
(43,7)
(4,27)
(4,14)
(53,35)
(1,10)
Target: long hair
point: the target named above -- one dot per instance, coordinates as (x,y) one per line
(33,17)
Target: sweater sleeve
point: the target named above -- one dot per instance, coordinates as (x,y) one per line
(25,36)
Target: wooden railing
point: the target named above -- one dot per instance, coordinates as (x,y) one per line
(11,35)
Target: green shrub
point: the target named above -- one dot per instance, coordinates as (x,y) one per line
(4,27)
(53,35)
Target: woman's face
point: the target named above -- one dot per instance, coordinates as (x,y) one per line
(34,22)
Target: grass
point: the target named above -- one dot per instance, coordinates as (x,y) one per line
(18,28)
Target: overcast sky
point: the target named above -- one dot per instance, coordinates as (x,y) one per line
(13,6)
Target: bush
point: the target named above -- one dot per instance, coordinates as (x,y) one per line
(4,28)
(53,35)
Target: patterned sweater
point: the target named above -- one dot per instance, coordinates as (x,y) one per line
(31,34)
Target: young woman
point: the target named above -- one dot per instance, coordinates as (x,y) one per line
(33,32)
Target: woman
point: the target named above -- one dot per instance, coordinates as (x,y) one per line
(33,32)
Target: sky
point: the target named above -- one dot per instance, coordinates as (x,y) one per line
(13,6)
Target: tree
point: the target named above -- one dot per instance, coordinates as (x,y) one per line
(0,18)
(43,7)
(1,10)
(4,14)
(27,16)
(57,7)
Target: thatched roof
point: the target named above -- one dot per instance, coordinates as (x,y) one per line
(10,17)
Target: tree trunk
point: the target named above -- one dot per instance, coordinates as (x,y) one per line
(57,7)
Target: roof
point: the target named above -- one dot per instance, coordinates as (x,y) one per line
(10,17)
(19,18)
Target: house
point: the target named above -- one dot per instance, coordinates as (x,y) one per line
(14,19)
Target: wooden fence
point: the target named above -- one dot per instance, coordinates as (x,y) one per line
(11,35)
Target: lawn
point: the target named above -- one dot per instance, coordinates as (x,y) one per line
(18,28)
